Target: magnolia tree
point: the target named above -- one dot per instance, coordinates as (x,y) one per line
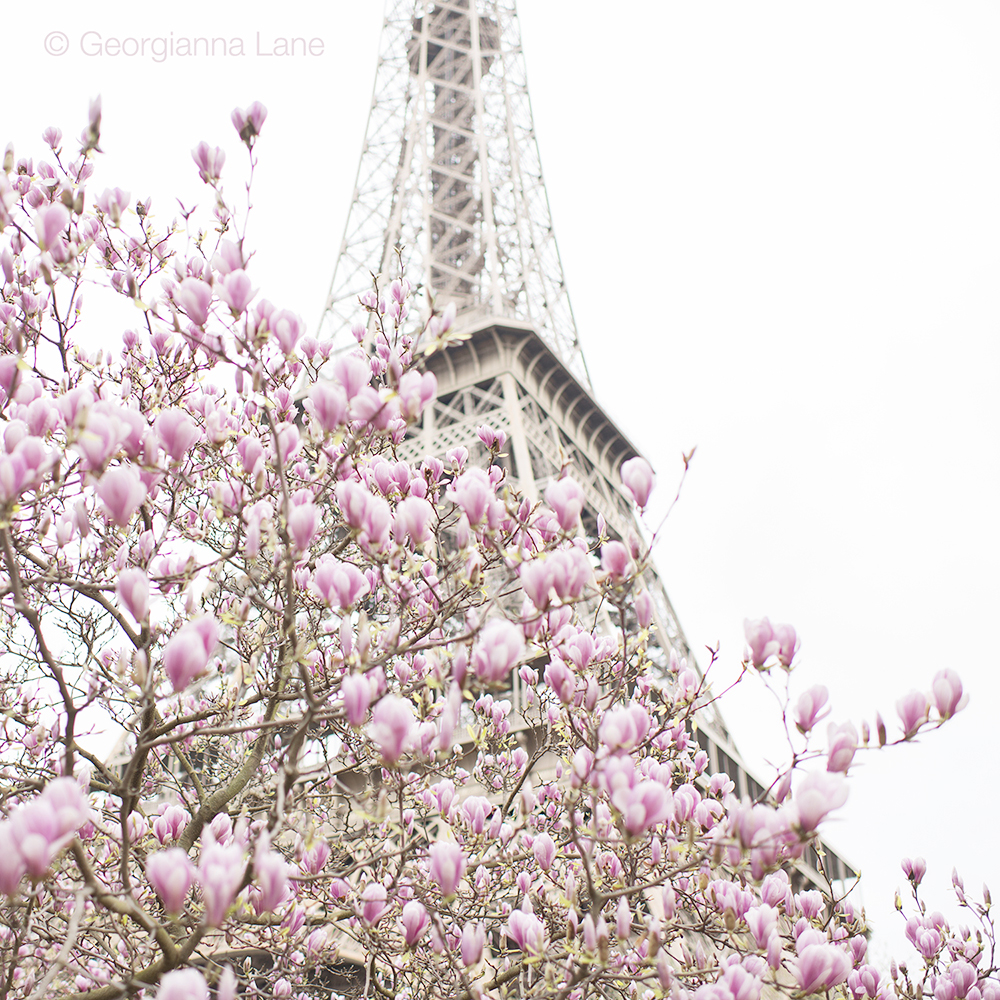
(209,547)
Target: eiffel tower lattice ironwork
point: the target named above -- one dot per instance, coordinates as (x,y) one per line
(450,171)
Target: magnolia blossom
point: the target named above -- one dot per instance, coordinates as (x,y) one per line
(374,906)
(808,709)
(818,794)
(820,967)
(339,584)
(447,865)
(646,805)
(527,931)
(183,984)
(122,490)
(843,741)
(760,638)
(187,654)
(566,498)
(947,692)
(473,493)
(133,591)
(220,872)
(499,648)
(171,874)
(473,942)
(913,710)
(392,727)
(271,876)
(357,695)
(544,849)
(638,479)
(415,921)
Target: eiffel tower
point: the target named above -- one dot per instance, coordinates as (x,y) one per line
(450,171)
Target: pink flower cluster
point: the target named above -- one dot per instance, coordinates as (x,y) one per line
(38,830)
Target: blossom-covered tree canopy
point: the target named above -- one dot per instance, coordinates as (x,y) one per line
(371,742)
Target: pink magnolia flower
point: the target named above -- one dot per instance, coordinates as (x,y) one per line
(914,870)
(271,875)
(638,479)
(229,257)
(493,439)
(415,920)
(843,741)
(414,519)
(194,296)
(527,931)
(183,984)
(808,709)
(121,491)
(287,329)
(562,679)
(353,372)
(571,573)
(819,794)
(473,493)
(133,592)
(963,976)
(473,942)
(236,291)
(50,223)
(228,987)
(645,609)
(220,872)
(169,824)
(447,865)
(499,648)
(788,643)
(565,496)
(913,708)
(615,560)
(415,391)
(357,695)
(113,202)
(100,440)
(544,849)
(12,864)
(327,405)
(187,654)
(303,521)
(249,123)
(209,161)
(369,515)
(41,828)
(946,690)
(646,805)
(392,727)
(171,874)
(820,967)
(624,728)
(375,906)
(536,581)
(177,432)
(760,638)
(762,921)
(339,584)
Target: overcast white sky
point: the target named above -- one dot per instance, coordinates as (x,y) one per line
(780,227)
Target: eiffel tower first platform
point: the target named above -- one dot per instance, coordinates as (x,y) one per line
(450,171)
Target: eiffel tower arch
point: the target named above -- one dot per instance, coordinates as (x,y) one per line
(450,171)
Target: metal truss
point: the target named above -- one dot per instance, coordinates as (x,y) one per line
(450,171)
